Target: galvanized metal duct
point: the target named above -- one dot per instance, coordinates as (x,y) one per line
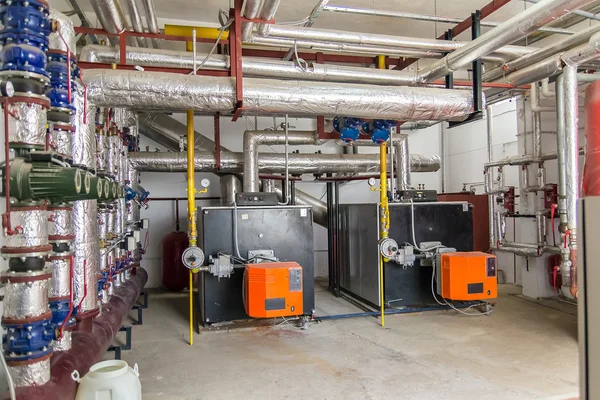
(319,208)
(536,57)
(161,91)
(509,31)
(136,21)
(111,17)
(167,131)
(151,20)
(273,163)
(252,66)
(230,185)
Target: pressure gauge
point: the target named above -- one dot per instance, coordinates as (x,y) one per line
(372,181)
(388,248)
(192,257)
(205,183)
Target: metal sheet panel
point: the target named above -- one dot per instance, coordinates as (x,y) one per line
(287,230)
(448,222)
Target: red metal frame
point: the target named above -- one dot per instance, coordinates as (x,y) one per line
(486,10)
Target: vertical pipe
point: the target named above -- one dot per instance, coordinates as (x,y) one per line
(151,20)
(251,11)
(337,240)
(560,151)
(403,163)
(384,220)
(537,121)
(489,176)
(330,245)
(293,193)
(572,163)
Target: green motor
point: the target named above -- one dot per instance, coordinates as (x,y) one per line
(45,181)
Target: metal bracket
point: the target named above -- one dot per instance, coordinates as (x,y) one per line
(140,309)
(119,347)
(477,81)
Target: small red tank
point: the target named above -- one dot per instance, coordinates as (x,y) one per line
(175,276)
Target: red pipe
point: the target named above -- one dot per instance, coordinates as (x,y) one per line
(591,170)
(88,346)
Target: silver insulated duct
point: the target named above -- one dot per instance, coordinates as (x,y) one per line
(111,17)
(162,91)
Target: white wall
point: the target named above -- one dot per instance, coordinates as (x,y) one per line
(162,214)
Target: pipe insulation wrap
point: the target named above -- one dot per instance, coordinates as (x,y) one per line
(35,374)
(163,91)
(25,299)
(272,163)
(87,254)
(61,140)
(571,100)
(84,140)
(251,12)
(517,27)
(66,30)
(103,223)
(60,283)
(64,343)
(151,20)
(61,222)
(111,17)
(27,124)
(136,22)
(102,150)
(34,228)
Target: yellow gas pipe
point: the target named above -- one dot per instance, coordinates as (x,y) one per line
(384,207)
(191,193)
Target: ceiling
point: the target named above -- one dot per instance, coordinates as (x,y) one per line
(205,11)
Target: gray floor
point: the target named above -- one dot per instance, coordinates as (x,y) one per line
(524,350)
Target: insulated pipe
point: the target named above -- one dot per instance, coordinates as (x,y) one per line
(306,36)
(151,20)
(271,163)
(267,13)
(168,132)
(89,346)
(561,152)
(423,17)
(112,19)
(554,65)
(489,176)
(403,164)
(572,163)
(251,11)
(577,39)
(136,22)
(251,66)
(537,121)
(509,31)
(254,139)
(230,186)
(164,91)
(319,208)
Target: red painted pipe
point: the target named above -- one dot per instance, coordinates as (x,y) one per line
(88,345)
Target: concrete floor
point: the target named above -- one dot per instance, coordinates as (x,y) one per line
(524,350)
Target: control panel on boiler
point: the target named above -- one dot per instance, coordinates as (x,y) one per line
(256,199)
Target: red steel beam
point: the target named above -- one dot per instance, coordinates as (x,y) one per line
(486,10)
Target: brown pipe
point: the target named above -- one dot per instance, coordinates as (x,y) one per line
(88,345)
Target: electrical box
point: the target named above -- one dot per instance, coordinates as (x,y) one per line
(273,289)
(467,276)
(256,199)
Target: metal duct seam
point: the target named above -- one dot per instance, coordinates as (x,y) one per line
(87,254)
(34,228)
(273,163)
(66,30)
(161,91)
(27,124)
(60,284)
(31,374)
(25,299)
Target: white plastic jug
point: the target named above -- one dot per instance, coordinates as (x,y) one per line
(109,380)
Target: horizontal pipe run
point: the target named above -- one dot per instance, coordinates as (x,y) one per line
(273,163)
(527,159)
(509,31)
(175,92)
(425,18)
